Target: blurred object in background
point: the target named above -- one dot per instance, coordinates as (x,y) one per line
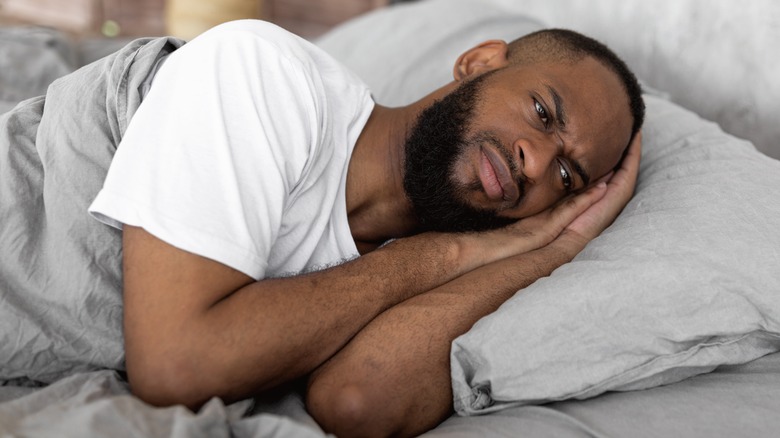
(189,18)
(309,19)
(89,18)
(183,18)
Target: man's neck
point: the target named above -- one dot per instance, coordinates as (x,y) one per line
(377,206)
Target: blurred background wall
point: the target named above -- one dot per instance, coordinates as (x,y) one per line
(182,18)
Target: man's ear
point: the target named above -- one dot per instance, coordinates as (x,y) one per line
(487,56)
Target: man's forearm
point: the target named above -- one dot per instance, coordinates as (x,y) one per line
(393,378)
(183,325)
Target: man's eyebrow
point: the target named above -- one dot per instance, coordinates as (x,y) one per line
(560,112)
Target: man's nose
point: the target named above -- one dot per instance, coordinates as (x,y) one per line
(535,158)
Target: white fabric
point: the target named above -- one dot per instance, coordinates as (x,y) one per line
(240,150)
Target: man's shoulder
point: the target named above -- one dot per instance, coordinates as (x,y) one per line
(251,27)
(266,37)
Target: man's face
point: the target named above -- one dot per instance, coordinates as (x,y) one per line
(512,142)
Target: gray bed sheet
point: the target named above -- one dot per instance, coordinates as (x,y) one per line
(732,401)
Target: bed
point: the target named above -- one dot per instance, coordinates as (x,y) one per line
(666,325)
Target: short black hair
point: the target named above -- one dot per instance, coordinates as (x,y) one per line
(571,46)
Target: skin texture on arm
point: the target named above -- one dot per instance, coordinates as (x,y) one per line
(195,328)
(393,378)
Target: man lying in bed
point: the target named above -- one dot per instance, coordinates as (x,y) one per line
(257,170)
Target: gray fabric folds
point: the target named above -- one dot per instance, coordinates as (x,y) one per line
(60,278)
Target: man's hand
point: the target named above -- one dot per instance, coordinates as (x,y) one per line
(620,189)
(530,233)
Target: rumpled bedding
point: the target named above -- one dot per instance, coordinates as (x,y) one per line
(32,58)
(99,404)
(60,280)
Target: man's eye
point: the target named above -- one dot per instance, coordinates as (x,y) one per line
(568,183)
(542,113)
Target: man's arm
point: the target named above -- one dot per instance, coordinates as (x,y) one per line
(195,328)
(393,378)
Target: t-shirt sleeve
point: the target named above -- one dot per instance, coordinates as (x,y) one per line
(212,154)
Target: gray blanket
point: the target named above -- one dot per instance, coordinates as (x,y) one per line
(60,275)
(31,59)
(61,344)
(99,404)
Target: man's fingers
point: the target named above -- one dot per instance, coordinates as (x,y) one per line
(620,189)
(626,176)
(605,178)
(551,222)
(633,154)
(570,208)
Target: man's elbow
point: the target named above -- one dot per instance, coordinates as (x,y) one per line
(343,412)
(165,381)
(351,411)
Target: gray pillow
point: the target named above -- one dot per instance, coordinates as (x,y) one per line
(686,279)
(408,50)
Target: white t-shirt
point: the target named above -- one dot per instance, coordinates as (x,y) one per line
(239,152)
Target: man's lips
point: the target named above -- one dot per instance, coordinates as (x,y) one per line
(496,177)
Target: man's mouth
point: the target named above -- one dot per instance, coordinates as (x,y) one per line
(496,177)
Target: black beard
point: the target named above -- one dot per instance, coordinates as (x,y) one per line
(432,149)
